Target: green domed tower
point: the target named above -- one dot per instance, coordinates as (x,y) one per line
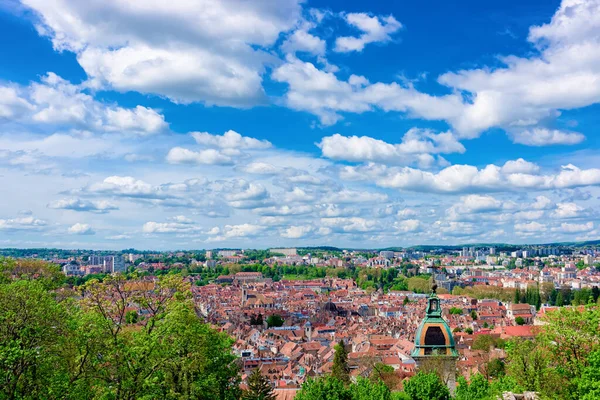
(434,343)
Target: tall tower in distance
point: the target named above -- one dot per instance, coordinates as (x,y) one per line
(435,350)
(308,331)
(244,295)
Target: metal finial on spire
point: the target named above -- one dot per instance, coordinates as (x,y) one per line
(433,284)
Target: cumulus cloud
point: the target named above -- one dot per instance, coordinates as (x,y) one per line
(324,95)
(57,102)
(187,55)
(525,91)
(575,228)
(415,143)
(236,231)
(350,224)
(519,166)
(375,29)
(297,232)
(546,137)
(230,140)
(81,229)
(76,204)
(301,40)
(530,227)
(468,178)
(261,168)
(567,210)
(179,224)
(180,155)
(126,186)
(22,223)
(409,225)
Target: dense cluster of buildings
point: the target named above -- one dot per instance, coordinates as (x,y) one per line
(398,329)
(95,264)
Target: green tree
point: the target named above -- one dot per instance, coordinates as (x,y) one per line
(386,374)
(259,388)
(326,388)
(529,364)
(474,315)
(477,389)
(519,320)
(588,385)
(426,386)
(364,389)
(495,368)
(274,320)
(34,330)
(483,342)
(131,317)
(340,369)
(572,334)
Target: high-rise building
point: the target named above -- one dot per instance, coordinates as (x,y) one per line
(492,251)
(109,264)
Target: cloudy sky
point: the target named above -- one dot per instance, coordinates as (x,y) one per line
(232,123)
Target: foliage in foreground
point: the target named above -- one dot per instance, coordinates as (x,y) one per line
(55,347)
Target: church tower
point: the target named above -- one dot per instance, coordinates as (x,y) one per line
(308,331)
(244,295)
(434,344)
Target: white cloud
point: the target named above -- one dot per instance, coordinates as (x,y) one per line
(140,119)
(530,227)
(575,228)
(179,50)
(541,203)
(237,231)
(375,29)
(297,232)
(180,155)
(126,186)
(323,94)
(407,213)
(354,196)
(55,101)
(350,225)
(81,229)
(546,137)
(285,210)
(409,225)
(230,140)
(415,143)
(564,75)
(261,168)
(475,203)
(23,223)
(75,204)
(302,41)
(567,210)
(11,103)
(468,178)
(520,166)
(178,226)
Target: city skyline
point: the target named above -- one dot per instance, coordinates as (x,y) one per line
(311,123)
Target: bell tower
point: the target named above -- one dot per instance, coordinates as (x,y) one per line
(434,344)
(244,295)
(308,331)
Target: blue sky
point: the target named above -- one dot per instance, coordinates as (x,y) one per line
(227,123)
